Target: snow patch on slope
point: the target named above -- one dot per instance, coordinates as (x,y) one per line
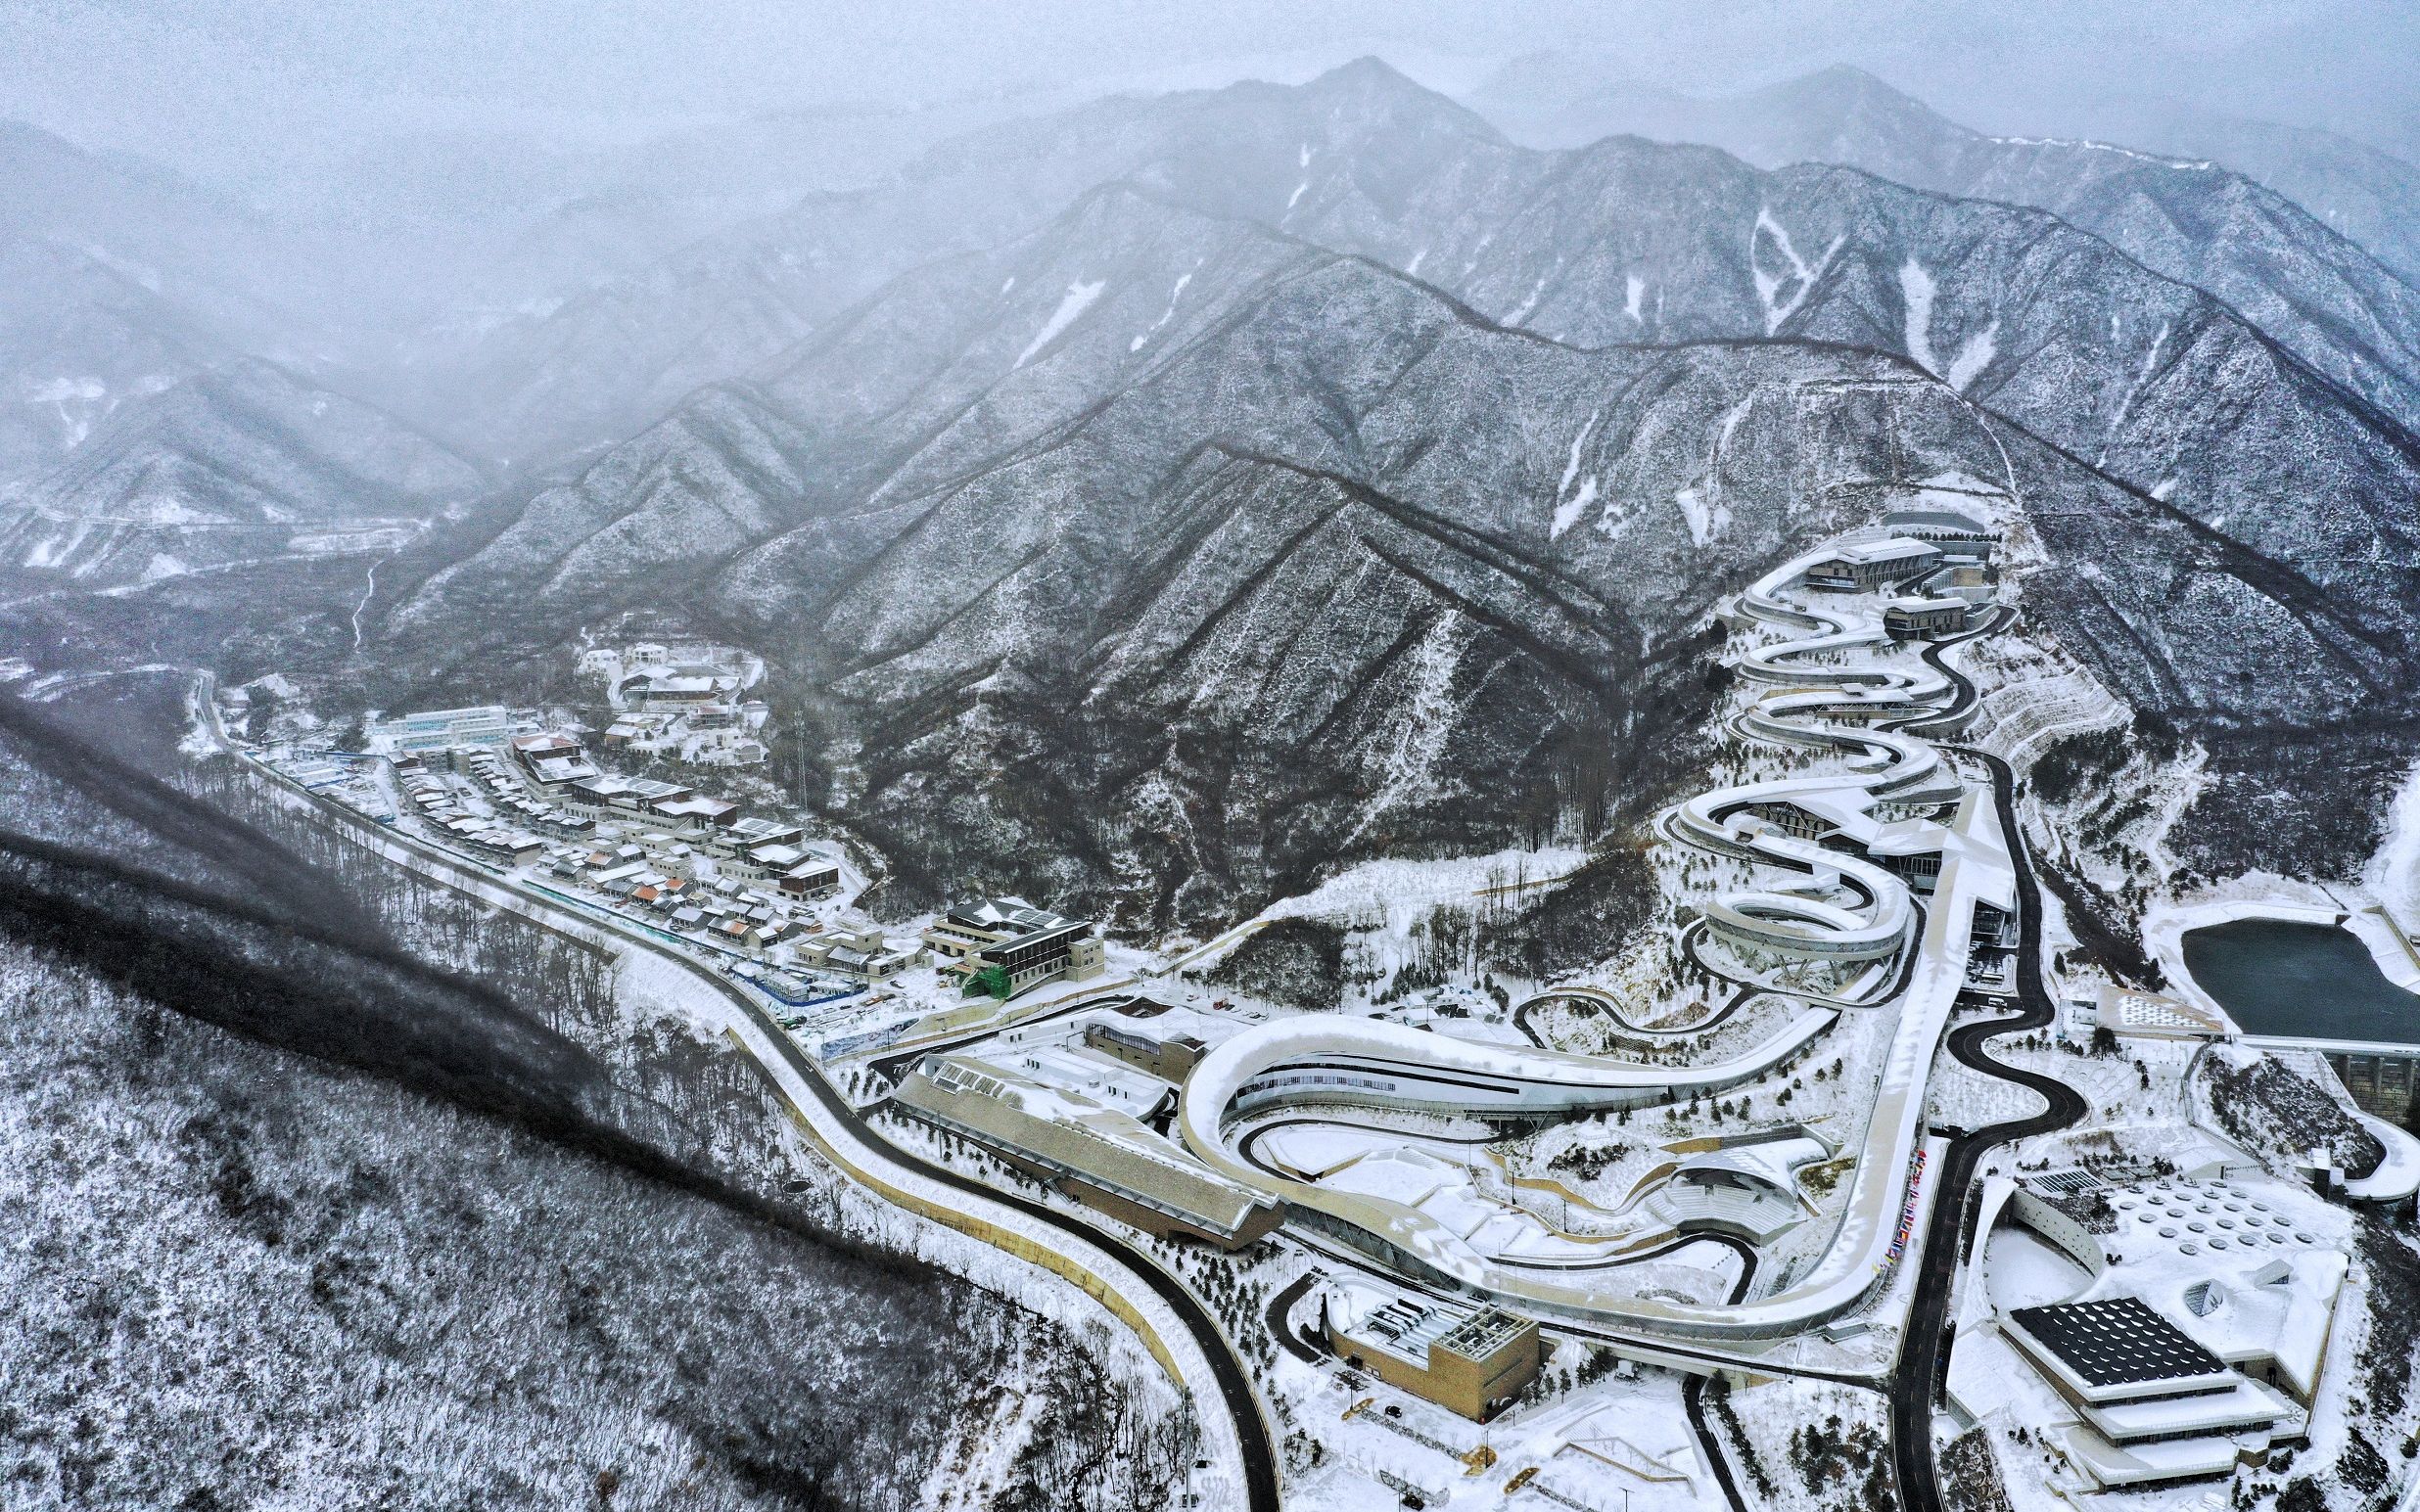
(1704,515)
(1166,315)
(1570,506)
(1078,299)
(2394,873)
(1568,514)
(1916,291)
(1635,292)
(1429,718)
(1799,279)
(1974,356)
(1522,311)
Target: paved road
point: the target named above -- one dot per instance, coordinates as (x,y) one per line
(1693,1398)
(1297,1345)
(1234,1381)
(1924,1356)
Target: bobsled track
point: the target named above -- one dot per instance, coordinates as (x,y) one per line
(1836,686)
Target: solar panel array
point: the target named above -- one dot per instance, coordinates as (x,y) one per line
(2117,1340)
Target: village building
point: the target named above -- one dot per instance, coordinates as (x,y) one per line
(1029,945)
(442,729)
(811,879)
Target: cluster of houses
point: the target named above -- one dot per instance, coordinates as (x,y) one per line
(502,789)
(724,910)
(513,832)
(682,703)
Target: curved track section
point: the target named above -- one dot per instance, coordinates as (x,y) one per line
(1834,686)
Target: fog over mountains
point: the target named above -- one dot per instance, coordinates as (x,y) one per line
(1158,502)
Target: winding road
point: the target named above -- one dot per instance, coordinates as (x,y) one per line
(1924,1353)
(1102,1262)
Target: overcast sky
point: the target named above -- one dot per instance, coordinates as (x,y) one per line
(218,85)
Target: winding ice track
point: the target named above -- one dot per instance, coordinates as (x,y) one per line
(1836,686)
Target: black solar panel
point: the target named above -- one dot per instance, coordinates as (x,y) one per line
(2115,1342)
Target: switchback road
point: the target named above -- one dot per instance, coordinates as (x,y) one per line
(1924,1356)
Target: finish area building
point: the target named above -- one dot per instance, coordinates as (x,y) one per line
(1101,1156)
(1470,1360)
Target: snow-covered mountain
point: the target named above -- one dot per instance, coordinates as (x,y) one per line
(617,356)
(252,444)
(2301,282)
(1154,503)
(240,462)
(120,279)
(77,339)
(2370,196)
(1162,557)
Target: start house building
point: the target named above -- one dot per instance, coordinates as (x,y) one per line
(1859,567)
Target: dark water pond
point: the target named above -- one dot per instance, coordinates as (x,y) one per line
(2294,980)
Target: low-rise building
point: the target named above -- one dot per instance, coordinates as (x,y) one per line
(811,879)
(2201,1340)
(659,686)
(553,761)
(1171,1058)
(748,833)
(690,813)
(2155,1404)
(620,798)
(510,848)
(860,955)
(442,729)
(1472,1360)
(2131,1014)
(1028,946)
(758,862)
(1922,618)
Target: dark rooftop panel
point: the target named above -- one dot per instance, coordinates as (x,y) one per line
(2117,1340)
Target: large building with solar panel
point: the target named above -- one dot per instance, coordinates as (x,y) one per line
(2198,1342)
